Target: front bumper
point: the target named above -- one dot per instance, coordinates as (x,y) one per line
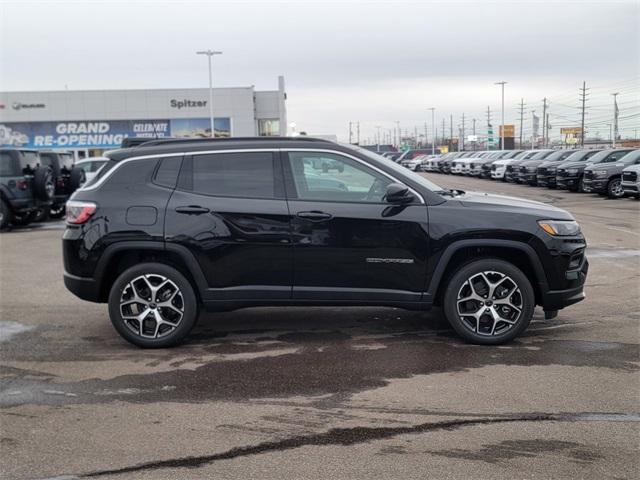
(567,183)
(530,178)
(558,299)
(546,180)
(631,188)
(595,186)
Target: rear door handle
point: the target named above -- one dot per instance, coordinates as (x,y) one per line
(314,216)
(192,210)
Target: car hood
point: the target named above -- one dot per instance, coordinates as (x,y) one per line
(566,165)
(609,166)
(506,203)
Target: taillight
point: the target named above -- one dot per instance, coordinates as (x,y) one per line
(22,184)
(79,212)
(60,182)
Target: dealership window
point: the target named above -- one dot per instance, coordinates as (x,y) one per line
(234,174)
(269,127)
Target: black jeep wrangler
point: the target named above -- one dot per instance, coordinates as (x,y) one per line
(67,180)
(171,226)
(26,187)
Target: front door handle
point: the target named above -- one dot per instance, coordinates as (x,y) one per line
(314,215)
(192,210)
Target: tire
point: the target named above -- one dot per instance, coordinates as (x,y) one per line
(5,215)
(41,215)
(614,188)
(76,179)
(142,276)
(501,274)
(23,220)
(580,187)
(43,185)
(57,210)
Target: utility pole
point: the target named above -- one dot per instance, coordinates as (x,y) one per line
(475,141)
(462,133)
(451,129)
(502,121)
(583,98)
(358,133)
(521,119)
(443,122)
(615,119)
(489,128)
(433,124)
(378,138)
(399,134)
(544,122)
(210,54)
(533,132)
(546,133)
(350,132)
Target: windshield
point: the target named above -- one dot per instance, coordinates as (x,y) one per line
(401,171)
(601,157)
(631,157)
(559,155)
(541,155)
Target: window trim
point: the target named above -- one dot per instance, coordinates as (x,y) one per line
(108,174)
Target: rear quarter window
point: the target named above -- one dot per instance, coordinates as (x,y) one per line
(8,165)
(129,174)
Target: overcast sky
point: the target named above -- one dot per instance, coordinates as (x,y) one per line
(373,62)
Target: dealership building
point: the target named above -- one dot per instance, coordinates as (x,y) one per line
(88,122)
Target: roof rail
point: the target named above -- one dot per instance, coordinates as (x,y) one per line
(168,141)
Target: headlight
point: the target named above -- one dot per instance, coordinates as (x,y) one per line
(600,173)
(531,169)
(572,171)
(560,228)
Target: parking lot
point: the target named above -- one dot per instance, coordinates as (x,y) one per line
(276,393)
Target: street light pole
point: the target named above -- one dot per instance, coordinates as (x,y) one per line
(433,123)
(502,121)
(615,120)
(210,54)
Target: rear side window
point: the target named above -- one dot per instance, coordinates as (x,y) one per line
(132,173)
(167,174)
(249,174)
(8,165)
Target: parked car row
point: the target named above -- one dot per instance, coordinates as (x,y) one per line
(610,172)
(35,185)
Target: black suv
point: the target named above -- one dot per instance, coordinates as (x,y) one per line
(25,186)
(66,177)
(606,178)
(171,226)
(570,174)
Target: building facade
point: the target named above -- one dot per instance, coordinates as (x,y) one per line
(92,121)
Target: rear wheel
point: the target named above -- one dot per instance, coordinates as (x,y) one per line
(153,305)
(41,215)
(614,188)
(5,215)
(489,301)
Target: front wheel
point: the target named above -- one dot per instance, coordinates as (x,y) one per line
(489,301)
(614,188)
(152,305)
(5,215)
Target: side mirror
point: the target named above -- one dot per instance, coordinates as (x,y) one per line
(398,193)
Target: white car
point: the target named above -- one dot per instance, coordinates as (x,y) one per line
(462,166)
(413,163)
(91,166)
(631,181)
(499,167)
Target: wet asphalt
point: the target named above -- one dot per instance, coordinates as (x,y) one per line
(323,393)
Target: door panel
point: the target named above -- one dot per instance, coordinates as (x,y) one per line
(243,245)
(348,243)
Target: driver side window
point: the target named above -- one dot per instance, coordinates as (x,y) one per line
(329,177)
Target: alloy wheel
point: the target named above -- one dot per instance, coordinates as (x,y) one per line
(151,306)
(489,303)
(616,188)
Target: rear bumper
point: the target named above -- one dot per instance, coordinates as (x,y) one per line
(82,287)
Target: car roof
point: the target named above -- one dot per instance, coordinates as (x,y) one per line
(160,146)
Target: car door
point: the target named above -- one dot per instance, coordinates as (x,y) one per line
(229,210)
(348,243)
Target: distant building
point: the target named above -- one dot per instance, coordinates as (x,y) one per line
(89,122)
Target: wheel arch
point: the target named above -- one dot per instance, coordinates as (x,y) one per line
(465,251)
(122,255)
